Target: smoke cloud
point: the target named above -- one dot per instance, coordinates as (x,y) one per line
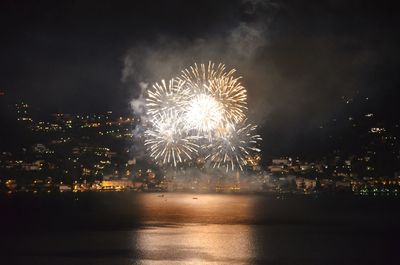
(165,57)
(294,79)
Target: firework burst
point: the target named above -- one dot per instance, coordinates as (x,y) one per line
(204,109)
(214,81)
(167,141)
(234,145)
(203,114)
(165,97)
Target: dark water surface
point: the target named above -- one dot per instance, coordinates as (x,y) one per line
(133,228)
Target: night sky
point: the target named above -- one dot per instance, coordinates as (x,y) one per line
(299,59)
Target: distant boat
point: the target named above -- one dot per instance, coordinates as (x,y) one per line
(194,198)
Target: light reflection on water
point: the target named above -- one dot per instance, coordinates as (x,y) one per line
(195,244)
(198,238)
(199,208)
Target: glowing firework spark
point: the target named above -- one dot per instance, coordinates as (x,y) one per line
(203,109)
(203,114)
(167,142)
(231,95)
(198,78)
(169,96)
(234,146)
(221,85)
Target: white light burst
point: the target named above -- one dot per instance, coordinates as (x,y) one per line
(234,145)
(167,141)
(203,114)
(203,109)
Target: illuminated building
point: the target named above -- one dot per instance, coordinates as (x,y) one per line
(117,184)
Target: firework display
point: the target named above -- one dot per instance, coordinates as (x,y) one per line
(200,114)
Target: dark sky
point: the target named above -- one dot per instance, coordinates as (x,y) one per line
(69,54)
(297,58)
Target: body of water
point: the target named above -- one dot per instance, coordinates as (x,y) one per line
(152,228)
